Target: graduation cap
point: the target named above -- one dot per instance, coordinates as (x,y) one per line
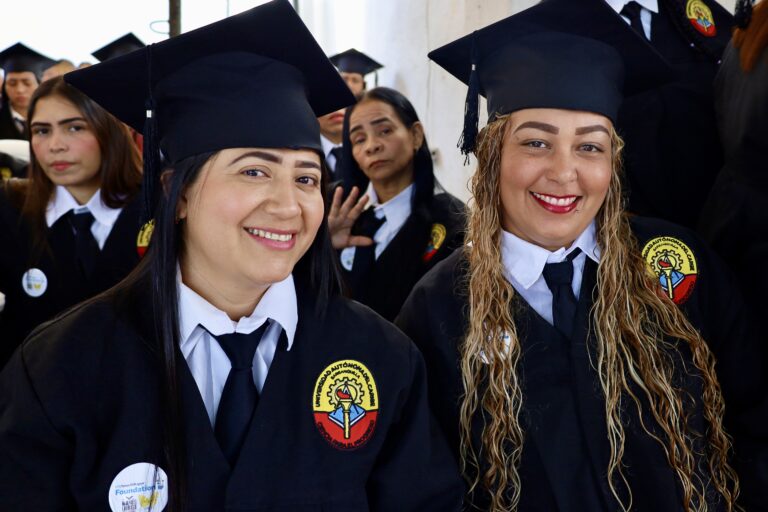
(566,54)
(257,79)
(125,44)
(353,61)
(19,57)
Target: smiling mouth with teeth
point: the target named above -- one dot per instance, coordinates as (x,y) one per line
(555,201)
(269,235)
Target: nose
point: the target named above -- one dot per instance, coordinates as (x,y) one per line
(372,145)
(283,202)
(563,167)
(56,142)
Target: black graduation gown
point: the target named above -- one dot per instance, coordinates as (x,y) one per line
(410,254)
(66,286)
(81,400)
(8,129)
(563,406)
(734,220)
(673,152)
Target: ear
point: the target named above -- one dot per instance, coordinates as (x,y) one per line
(417,135)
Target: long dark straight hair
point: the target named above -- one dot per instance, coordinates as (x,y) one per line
(423,170)
(316,273)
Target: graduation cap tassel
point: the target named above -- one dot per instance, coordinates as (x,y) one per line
(151,152)
(743,13)
(471,108)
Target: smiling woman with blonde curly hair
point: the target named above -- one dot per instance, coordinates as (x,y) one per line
(579,359)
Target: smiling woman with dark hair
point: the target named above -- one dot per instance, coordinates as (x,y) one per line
(407,227)
(226,372)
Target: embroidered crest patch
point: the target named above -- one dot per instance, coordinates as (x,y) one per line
(436,239)
(345,404)
(675,266)
(701,17)
(145,235)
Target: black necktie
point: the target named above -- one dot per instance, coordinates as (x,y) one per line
(367,225)
(632,11)
(559,278)
(240,396)
(336,152)
(86,248)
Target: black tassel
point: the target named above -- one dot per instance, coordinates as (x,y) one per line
(151,152)
(743,13)
(471,108)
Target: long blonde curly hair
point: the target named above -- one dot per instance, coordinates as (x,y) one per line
(632,324)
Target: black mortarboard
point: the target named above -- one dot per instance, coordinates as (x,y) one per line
(18,58)
(568,54)
(125,44)
(353,61)
(257,79)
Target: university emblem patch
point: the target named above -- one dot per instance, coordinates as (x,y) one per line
(675,266)
(345,403)
(436,239)
(145,235)
(701,17)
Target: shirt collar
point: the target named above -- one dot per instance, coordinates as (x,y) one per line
(16,115)
(397,209)
(525,261)
(618,5)
(278,304)
(62,202)
(327,145)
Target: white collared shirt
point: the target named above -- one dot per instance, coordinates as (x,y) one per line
(207,361)
(524,266)
(330,158)
(18,119)
(395,211)
(104,217)
(647,7)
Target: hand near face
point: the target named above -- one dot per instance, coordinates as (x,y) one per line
(342,217)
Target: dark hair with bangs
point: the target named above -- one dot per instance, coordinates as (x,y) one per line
(119,172)
(315,273)
(423,170)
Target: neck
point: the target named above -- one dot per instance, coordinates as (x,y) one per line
(82,193)
(389,188)
(333,137)
(236,301)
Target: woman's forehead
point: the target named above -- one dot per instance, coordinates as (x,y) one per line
(558,118)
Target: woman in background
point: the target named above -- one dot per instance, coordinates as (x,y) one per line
(407,227)
(69,231)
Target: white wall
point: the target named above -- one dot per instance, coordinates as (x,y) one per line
(399,34)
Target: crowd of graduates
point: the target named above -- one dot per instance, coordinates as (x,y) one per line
(230,278)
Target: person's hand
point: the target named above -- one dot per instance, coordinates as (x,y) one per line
(342,217)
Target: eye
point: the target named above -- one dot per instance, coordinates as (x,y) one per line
(535,144)
(358,140)
(38,130)
(76,128)
(308,180)
(254,172)
(386,131)
(591,148)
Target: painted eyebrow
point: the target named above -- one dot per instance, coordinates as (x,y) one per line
(593,128)
(271,157)
(63,121)
(374,122)
(539,126)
